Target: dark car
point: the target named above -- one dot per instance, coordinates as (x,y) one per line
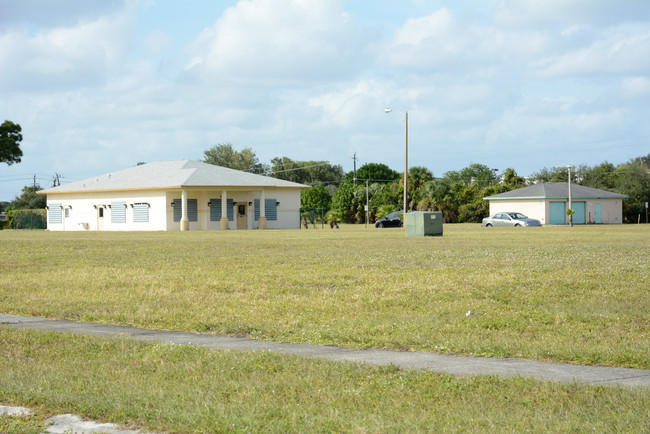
(392,220)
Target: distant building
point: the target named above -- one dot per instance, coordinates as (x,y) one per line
(172,196)
(548,202)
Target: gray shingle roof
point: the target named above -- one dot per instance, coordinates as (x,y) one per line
(172,174)
(556,190)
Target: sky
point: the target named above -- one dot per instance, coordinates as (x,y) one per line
(100,85)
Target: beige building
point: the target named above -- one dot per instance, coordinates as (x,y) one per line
(548,202)
(172,196)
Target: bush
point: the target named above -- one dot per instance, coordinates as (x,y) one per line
(26,219)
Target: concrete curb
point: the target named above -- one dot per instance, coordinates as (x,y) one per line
(454,365)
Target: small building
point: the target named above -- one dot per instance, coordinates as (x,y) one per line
(172,196)
(548,202)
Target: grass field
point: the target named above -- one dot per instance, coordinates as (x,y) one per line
(554,293)
(187,389)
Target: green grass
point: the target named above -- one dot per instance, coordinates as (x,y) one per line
(189,389)
(554,293)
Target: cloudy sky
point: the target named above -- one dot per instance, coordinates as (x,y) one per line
(100,85)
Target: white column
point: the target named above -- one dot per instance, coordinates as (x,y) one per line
(224,210)
(261,224)
(185,223)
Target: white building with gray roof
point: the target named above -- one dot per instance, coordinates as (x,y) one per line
(548,202)
(174,195)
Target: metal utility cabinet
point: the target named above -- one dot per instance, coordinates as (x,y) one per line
(423,223)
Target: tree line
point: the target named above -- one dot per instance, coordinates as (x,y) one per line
(458,194)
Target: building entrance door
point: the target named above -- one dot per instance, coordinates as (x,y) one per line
(242,216)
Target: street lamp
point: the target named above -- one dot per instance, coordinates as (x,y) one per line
(570,201)
(406,160)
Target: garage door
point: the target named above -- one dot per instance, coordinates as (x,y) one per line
(579,216)
(557,213)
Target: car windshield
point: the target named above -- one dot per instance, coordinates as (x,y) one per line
(517,215)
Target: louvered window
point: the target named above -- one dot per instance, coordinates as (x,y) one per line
(54,214)
(215,210)
(192,210)
(270,209)
(118,212)
(140,212)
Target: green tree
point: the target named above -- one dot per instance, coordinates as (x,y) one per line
(374,172)
(634,181)
(343,202)
(512,181)
(306,172)
(603,176)
(474,173)
(553,174)
(10,138)
(315,197)
(225,155)
(29,199)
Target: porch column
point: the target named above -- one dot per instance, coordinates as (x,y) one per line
(223,223)
(185,223)
(261,224)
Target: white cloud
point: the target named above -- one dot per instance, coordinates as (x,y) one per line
(548,14)
(614,54)
(156,42)
(64,57)
(635,87)
(278,42)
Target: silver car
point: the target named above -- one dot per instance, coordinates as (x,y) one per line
(509,219)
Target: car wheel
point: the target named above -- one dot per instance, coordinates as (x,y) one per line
(489,225)
(517,225)
(401,224)
(380,225)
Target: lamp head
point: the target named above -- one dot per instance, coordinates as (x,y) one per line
(388,110)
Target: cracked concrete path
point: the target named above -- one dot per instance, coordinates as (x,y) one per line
(454,365)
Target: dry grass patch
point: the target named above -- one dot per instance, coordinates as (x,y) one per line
(554,293)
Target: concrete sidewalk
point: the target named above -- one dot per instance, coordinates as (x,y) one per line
(454,365)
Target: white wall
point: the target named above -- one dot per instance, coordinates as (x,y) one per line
(533,208)
(611,209)
(84,216)
(83,212)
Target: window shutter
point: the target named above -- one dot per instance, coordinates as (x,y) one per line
(270,209)
(140,212)
(118,212)
(54,213)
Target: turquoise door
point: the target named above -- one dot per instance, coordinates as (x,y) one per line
(579,216)
(598,214)
(557,213)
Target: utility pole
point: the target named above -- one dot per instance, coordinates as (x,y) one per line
(354,157)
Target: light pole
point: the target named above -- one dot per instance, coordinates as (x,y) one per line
(406,161)
(570,201)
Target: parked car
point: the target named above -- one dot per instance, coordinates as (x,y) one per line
(509,219)
(392,220)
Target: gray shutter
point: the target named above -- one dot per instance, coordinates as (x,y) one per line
(230,205)
(140,212)
(192,212)
(177,210)
(215,210)
(54,214)
(270,209)
(118,212)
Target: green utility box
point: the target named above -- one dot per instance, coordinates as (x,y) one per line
(423,223)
